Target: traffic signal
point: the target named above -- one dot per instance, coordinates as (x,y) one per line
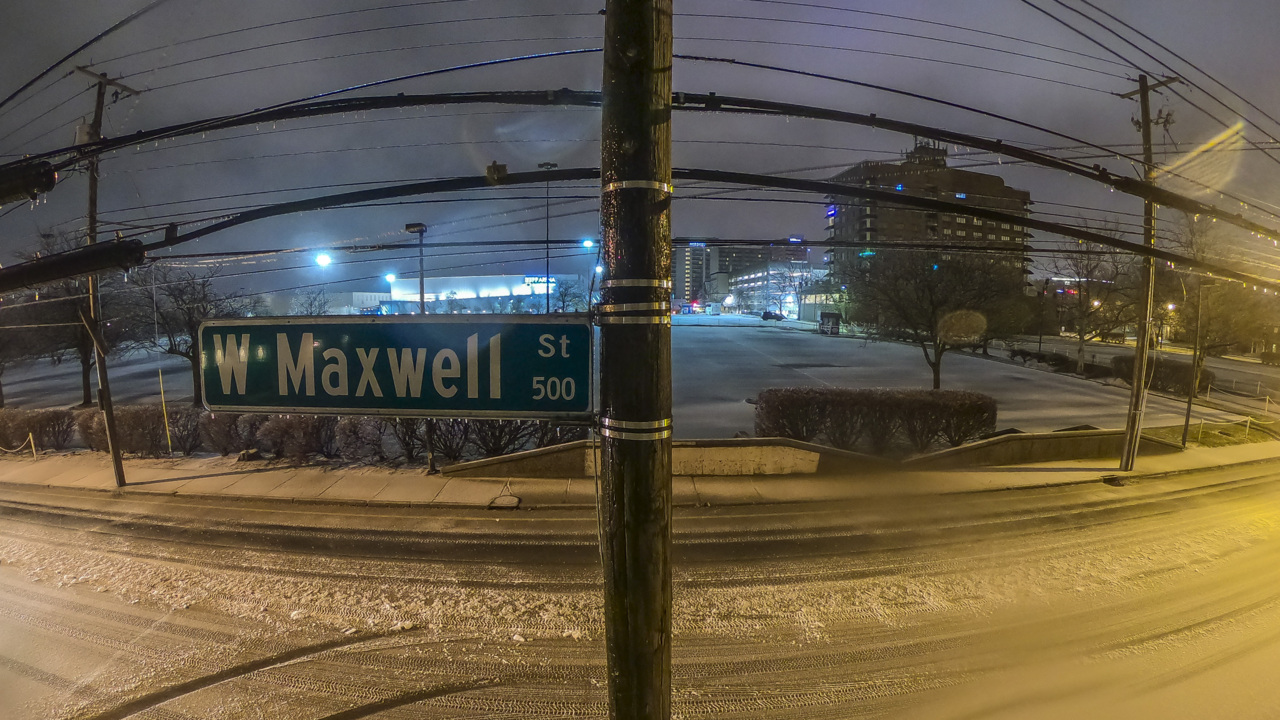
(24,181)
(495,174)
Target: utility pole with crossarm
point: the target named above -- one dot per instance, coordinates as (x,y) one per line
(1137,399)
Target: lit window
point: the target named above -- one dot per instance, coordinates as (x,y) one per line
(977,221)
(962,220)
(946,231)
(961,233)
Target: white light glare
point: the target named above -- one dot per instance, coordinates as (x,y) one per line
(323,259)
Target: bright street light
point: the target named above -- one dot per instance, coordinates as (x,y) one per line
(391,277)
(588,243)
(323,259)
(599,269)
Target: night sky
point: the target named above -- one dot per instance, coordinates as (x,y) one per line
(193,60)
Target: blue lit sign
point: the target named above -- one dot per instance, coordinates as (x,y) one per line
(899,188)
(831,211)
(961,196)
(697,244)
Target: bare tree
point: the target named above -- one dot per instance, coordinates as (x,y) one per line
(175,302)
(1233,316)
(63,302)
(937,301)
(24,331)
(311,302)
(1101,293)
(569,296)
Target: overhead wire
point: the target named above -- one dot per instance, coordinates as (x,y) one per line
(946,25)
(1190,64)
(84,46)
(1137,67)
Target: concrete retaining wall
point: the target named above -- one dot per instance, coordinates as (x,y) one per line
(1026,448)
(736,457)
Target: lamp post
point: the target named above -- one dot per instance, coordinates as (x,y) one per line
(421,230)
(391,291)
(546,279)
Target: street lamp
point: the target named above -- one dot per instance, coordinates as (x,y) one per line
(421,230)
(546,280)
(323,259)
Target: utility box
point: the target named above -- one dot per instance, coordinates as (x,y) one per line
(829,323)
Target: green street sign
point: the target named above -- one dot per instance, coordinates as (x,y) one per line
(496,366)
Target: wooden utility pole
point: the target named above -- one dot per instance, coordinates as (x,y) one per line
(635,356)
(1137,397)
(95,301)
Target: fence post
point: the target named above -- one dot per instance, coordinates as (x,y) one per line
(1200,434)
(32,439)
(164,410)
(1247,420)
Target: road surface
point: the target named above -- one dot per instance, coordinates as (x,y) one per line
(1155,600)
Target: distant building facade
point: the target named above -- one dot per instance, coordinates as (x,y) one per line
(709,273)
(858,228)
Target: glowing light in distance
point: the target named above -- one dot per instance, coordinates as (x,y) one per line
(323,259)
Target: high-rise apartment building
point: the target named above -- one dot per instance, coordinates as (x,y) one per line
(857,227)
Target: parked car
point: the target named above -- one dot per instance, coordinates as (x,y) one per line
(771,315)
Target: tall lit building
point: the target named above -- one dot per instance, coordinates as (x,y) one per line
(857,227)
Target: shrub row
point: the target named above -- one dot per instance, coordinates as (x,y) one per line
(49,428)
(1054,360)
(140,430)
(1164,374)
(876,418)
(1269,358)
(1060,361)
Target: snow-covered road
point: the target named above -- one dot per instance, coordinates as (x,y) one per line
(1158,600)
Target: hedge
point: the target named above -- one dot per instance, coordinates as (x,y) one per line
(140,430)
(1269,358)
(49,428)
(878,418)
(1164,374)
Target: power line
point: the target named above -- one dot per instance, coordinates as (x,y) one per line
(1137,67)
(950,26)
(894,33)
(90,42)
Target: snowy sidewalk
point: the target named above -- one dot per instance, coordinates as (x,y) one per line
(364,485)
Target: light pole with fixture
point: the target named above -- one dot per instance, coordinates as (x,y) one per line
(391,291)
(421,230)
(546,280)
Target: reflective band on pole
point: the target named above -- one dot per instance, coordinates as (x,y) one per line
(635,282)
(625,307)
(667,188)
(634,320)
(623,435)
(636,424)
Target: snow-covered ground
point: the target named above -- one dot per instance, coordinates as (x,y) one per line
(1093,601)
